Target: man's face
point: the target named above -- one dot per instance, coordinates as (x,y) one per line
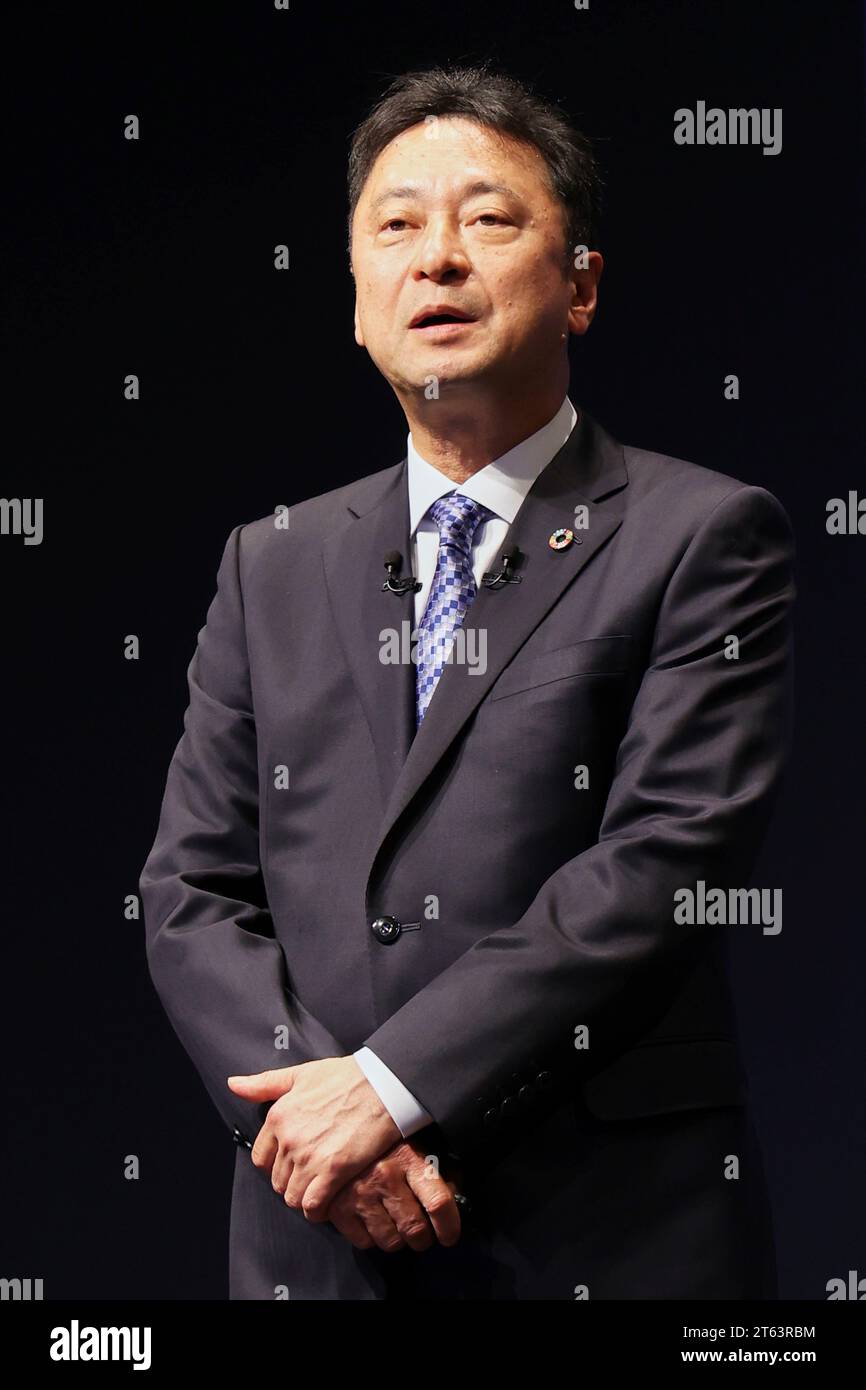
(455,215)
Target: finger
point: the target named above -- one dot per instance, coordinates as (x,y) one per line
(281,1169)
(281,1174)
(264,1150)
(438,1202)
(264,1085)
(380,1225)
(350,1225)
(316,1195)
(409,1216)
(294,1186)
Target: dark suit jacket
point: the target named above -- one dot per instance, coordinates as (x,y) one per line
(555,904)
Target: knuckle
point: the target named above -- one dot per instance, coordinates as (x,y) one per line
(328,1168)
(437,1201)
(413,1230)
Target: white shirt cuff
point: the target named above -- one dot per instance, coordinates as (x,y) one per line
(400,1103)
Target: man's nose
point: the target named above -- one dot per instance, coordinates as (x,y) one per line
(441,250)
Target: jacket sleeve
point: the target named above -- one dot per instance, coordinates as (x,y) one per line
(211,949)
(690,797)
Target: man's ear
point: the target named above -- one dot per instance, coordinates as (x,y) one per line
(359,336)
(584,299)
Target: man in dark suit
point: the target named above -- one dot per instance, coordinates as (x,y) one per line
(412,902)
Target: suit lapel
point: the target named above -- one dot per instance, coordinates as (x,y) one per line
(588,467)
(355,571)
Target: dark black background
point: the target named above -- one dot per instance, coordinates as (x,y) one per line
(156,258)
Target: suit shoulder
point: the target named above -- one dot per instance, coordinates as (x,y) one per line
(315,517)
(691,491)
(651,472)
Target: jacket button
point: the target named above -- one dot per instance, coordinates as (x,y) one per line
(544,1080)
(240,1138)
(386,930)
(509,1107)
(491,1118)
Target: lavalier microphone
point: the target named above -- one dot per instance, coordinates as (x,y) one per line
(510,559)
(393,584)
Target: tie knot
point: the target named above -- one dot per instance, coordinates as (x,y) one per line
(458,518)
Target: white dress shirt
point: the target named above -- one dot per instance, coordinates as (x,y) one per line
(501,486)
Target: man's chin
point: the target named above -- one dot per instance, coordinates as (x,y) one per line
(441,371)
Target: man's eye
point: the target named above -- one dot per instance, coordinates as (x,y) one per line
(395,221)
(491,217)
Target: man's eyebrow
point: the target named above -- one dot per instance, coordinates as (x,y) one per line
(472,190)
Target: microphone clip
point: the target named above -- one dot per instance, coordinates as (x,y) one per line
(494,579)
(393,584)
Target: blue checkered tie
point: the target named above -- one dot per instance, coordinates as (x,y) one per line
(451,592)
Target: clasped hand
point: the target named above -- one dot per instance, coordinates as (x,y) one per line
(335,1153)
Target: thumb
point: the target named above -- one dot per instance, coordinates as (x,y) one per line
(264,1085)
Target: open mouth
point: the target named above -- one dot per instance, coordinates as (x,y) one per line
(432,320)
(446,318)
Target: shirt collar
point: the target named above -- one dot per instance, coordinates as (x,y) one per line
(501,485)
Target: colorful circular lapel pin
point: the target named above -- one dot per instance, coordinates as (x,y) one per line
(561,538)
